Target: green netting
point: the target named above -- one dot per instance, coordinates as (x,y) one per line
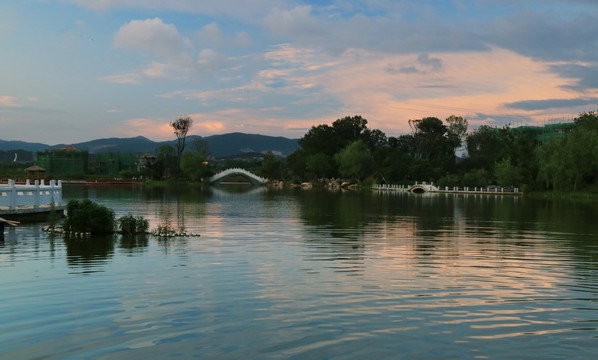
(112,163)
(63,162)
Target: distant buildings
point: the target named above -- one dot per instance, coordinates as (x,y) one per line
(545,133)
(67,161)
(72,162)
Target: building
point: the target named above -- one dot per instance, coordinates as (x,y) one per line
(112,163)
(67,161)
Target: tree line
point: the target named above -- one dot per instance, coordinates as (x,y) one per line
(489,155)
(444,152)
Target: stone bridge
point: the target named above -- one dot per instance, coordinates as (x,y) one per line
(256,180)
(422,188)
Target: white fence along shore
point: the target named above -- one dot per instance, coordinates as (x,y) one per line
(36,197)
(423,187)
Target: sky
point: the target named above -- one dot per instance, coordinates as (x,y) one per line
(78,70)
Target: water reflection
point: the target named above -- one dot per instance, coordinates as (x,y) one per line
(134,244)
(88,254)
(296,274)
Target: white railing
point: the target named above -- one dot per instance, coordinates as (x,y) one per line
(13,196)
(447,189)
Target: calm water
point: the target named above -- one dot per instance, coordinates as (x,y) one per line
(308,275)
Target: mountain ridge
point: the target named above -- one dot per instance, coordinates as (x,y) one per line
(219,145)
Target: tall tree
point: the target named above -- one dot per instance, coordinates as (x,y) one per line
(457,128)
(181,127)
(429,135)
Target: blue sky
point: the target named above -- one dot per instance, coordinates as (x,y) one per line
(77,70)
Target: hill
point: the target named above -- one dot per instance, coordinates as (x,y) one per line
(22,145)
(219,145)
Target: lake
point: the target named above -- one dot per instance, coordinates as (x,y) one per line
(308,274)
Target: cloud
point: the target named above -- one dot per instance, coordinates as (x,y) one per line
(209,59)
(548,35)
(531,105)
(154,70)
(242,39)
(9,101)
(126,78)
(154,37)
(298,22)
(584,75)
(157,128)
(239,9)
(424,64)
(210,35)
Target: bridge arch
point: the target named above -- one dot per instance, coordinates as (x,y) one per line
(255,179)
(422,188)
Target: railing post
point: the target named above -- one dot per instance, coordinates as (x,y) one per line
(36,194)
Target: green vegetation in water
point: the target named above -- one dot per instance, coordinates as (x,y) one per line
(131,225)
(88,217)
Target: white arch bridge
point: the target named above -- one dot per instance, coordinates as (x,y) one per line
(255,179)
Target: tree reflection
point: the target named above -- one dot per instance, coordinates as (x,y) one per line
(90,252)
(134,244)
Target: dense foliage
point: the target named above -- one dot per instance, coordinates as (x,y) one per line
(562,159)
(87,216)
(131,225)
(559,157)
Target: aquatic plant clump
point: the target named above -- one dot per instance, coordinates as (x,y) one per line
(88,217)
(130,225)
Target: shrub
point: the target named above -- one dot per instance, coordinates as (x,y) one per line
(129,225)
(88,217)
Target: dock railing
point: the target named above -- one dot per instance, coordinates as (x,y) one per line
(37,195)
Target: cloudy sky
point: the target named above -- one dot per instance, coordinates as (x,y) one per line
(77,70)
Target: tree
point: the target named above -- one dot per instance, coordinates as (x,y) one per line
(433,150)
(193,165)
(485,147)
(507,174)
(165,161)
(271,166)
(457,128)
(429,135)
(332,139)
(295,164)
(587,120)
(570,162)
(320,165)
(319,139)
(354,160)
(181,126)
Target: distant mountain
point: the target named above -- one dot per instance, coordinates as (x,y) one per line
(123,145)
(21,145)
(219,145)
(239,143)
